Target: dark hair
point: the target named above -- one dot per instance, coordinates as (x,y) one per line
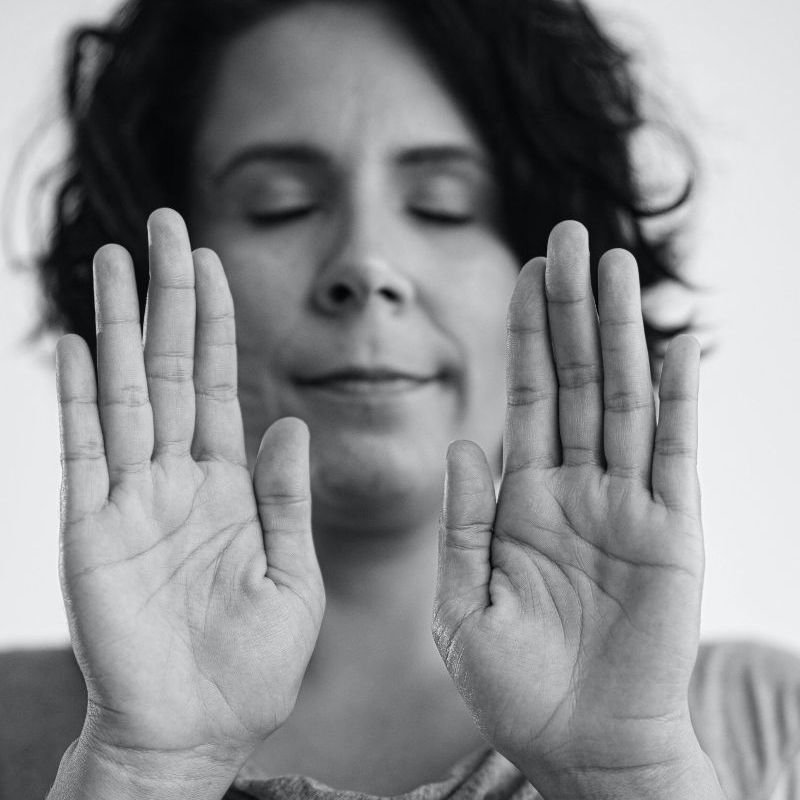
(553,97)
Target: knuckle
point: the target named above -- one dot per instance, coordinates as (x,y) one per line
(583,455)
(91,450)
(627,400)
(171,367)
(171,447)
(520,326)
(673,446)
(106,319)
(282,500)
(223,350)
(220,329)
(566,297)
(466,535)
(525,395)
(178,282)
(579,375)
(219,393)
(76,401)
(621,323)
(129,396)
(226,317)
(668,397)
(134,467)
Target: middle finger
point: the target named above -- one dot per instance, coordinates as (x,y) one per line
(576,344)
(169,333)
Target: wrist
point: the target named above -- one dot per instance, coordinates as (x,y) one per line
(689,775)
(93,770)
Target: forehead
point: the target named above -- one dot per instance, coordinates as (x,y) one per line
(343,77)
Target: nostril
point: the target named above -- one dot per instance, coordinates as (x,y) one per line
(390,294)
(343,294)
(340,293)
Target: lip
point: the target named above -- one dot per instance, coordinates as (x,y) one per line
(361,381)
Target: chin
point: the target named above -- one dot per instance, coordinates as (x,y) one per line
(377,481)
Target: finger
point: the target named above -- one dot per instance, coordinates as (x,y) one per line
(629,417)
(531,432)
(675,480)
(576,346)
(218,420)
(83,455)
(125,413)
(465,537)
(169,333)
(282,489)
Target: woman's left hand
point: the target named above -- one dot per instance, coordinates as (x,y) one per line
(568,610)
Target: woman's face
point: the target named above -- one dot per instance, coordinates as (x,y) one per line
(353,207)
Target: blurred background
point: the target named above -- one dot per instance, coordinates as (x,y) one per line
(731,75)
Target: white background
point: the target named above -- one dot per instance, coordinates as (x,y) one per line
(733,72)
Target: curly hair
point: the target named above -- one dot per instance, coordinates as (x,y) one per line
(553,97)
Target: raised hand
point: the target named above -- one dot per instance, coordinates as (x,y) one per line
(568,611)
(192,589)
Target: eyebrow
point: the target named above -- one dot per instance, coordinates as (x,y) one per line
(439,154)
(301,154)
(309,155)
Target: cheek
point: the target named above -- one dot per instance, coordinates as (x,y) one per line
(486,340)
(268,298)
(475,312)
(265,306)
(485,287)
(485,382)
(268,285)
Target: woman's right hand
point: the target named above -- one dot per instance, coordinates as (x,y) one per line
(192,588)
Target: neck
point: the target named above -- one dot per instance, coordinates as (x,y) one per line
(380,589)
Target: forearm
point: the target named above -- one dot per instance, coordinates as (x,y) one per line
(693,778)
(87,772)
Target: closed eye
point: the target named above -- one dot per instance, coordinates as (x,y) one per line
(279,216)
(441,217)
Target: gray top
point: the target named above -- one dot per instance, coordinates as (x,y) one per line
(745,703)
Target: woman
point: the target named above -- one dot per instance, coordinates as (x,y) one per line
(356,194)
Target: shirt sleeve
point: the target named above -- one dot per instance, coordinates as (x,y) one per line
(788,785)
(745,703)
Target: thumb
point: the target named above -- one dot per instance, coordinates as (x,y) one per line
(465,536)
(283,494)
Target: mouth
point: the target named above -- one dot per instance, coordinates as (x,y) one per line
(366,381)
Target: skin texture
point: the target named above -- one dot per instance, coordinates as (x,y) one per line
(583,579)
(566,609)
(164,579)
(391,260)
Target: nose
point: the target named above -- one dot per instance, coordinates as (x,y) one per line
(363,269)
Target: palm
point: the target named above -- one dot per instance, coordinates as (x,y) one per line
(601,602)
(568,611)
(189,630)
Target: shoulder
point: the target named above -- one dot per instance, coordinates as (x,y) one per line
(745,705)
(42,707)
